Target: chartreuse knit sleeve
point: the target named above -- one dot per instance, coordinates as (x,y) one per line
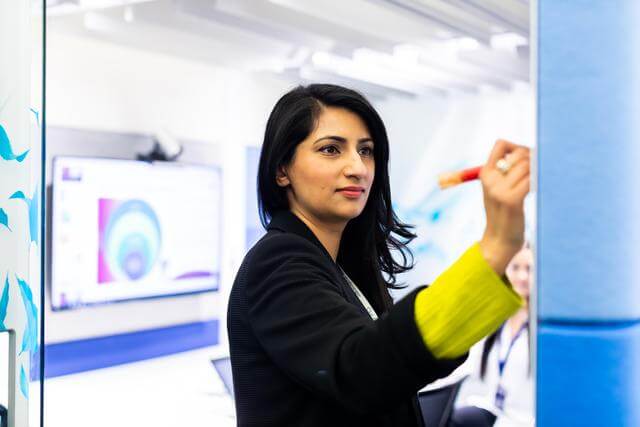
(464,304)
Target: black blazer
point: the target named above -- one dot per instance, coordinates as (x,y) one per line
(305,352)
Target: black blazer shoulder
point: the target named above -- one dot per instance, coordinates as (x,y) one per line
(289,244)
(295,324)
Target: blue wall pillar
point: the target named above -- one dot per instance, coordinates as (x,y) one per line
(588,242)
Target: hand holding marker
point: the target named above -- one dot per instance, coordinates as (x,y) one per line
(449,179)
(505,184)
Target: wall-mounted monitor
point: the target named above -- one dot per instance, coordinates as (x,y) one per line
(125,230)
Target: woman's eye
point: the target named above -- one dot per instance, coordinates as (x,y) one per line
(329,149)
(366,151)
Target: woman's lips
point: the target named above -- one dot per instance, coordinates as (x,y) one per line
(352,192)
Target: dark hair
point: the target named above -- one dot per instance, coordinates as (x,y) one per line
(367,241)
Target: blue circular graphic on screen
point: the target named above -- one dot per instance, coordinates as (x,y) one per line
(132,240)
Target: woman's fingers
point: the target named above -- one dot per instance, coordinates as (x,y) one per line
(508,151)
(504,192)
(500,149)
(521,189)
(517,171)
(517,154)
(499,181)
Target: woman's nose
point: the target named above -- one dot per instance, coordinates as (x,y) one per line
(355,166)
(524,276)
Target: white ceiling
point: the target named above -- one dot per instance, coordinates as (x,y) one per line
(405,47)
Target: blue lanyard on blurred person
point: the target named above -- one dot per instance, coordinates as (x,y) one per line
(501,393)
(502,362)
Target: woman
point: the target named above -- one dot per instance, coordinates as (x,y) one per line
(499,389)
(314,337)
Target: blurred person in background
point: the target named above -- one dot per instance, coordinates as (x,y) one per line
(499,388)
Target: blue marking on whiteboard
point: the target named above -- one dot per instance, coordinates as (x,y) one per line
(427,215)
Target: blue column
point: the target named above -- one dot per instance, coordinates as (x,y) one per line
(588,243)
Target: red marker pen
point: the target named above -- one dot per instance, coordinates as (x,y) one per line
(450,179)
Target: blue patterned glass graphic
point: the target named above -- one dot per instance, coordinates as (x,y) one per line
(4,219)
(4,304)
(6,151)
(24,383)
(30,336)
(32,207)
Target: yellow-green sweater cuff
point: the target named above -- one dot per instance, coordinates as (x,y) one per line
(464,304)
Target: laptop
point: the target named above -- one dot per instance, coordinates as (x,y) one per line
(222,366)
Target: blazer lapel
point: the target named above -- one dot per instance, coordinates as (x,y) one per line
(288,222)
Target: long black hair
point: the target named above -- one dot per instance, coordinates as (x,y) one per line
(368,240)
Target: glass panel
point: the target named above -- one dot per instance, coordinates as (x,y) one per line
(21,111)
(36,122)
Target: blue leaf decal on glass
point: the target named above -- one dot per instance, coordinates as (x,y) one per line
(6,152)
(4,219)
(18,195)
(24,384)
(36,114)
(34,212)
(30,337)
(22,156)
(4,303)
(32,207)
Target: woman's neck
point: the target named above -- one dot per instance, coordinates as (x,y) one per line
(328,234)
(517,320)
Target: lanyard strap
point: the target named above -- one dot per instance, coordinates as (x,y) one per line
(503,362)
(361,297)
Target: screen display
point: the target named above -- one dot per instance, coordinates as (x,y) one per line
(124,230)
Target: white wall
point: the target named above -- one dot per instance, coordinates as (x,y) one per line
(101,86)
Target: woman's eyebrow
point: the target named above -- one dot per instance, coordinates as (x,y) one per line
(342,139)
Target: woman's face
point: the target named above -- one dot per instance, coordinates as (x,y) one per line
(331,172)
(519,272)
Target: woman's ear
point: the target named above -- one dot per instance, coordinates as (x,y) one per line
(281,177)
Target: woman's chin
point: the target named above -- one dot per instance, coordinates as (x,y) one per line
(349,214)
(341,215)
